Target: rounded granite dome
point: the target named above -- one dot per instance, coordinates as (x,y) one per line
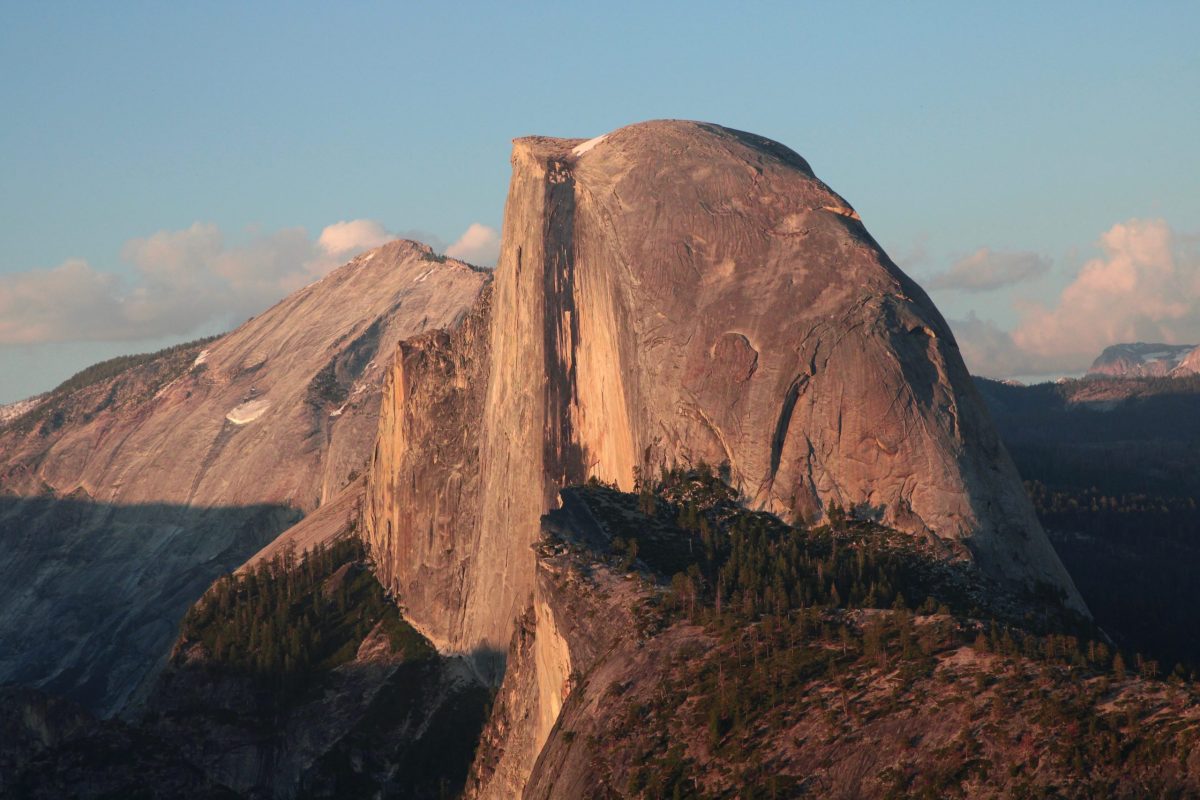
(669,293)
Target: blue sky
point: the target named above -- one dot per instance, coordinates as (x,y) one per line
(1001,141)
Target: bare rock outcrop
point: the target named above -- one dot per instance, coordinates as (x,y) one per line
(676,292)
(335,519)
(424,489)
(1139,360)
(122,500)
(1188,365)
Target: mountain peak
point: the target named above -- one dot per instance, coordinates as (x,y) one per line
(194,459)
(1139,359)
(683,293)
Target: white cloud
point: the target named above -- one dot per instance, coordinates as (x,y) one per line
(354,236)
(479,245)
(69,302)
(1145,286)
(182,281)
(985,270)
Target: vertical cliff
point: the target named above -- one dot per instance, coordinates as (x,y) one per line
(424,486)
(675,292)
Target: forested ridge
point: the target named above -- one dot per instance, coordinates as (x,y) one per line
(297,616)
(805,621)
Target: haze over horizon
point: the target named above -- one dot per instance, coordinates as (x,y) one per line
(172,171)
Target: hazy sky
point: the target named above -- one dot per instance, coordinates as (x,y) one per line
(169,169)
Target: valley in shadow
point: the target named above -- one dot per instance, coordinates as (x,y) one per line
(92,594)
(1113,468)
(296,678)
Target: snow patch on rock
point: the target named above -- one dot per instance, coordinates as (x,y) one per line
(580,149)
(249,411)
(14,410)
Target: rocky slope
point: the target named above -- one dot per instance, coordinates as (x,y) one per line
(125,495)
(14,410)
(1140,360)
(51,748)
(840,662)
(1189,364)
(334,520)
(669,293)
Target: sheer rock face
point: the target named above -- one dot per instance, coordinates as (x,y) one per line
(160,484)
(424,487)
(669,293)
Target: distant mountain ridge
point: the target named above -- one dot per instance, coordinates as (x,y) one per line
(1146,360)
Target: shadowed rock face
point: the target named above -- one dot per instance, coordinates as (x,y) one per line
(177,475)
(673,292)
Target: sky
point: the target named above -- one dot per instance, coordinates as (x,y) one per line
(168,170)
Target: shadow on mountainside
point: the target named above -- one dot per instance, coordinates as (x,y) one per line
(1119,435)
(92,594)
(1113,469)
(297,678)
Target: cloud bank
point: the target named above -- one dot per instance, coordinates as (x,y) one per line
(986,270)
(344,239)
(188,280)
(1144,286)
(479,245)
(182,280)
